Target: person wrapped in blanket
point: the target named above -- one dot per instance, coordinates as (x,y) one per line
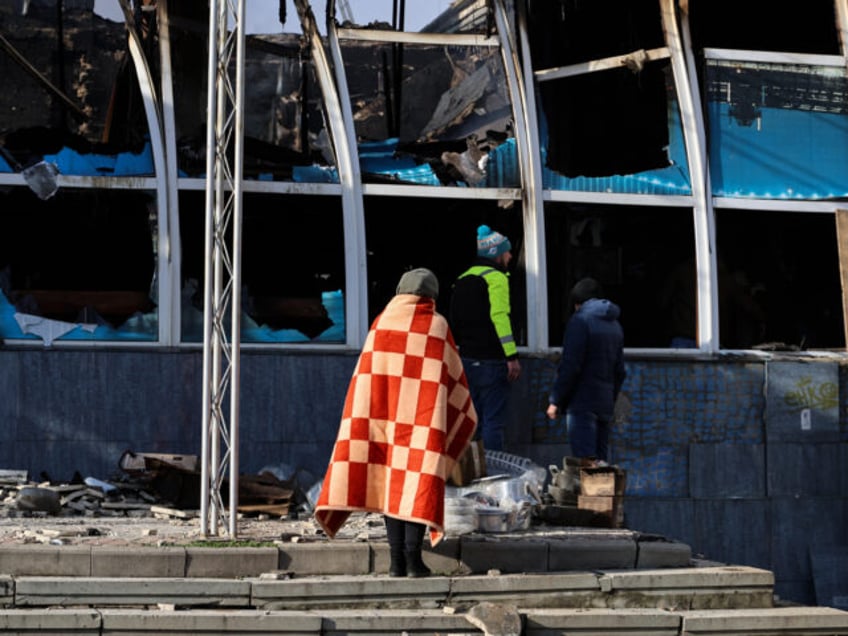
(407,417)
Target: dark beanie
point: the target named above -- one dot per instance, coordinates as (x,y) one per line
(584,289)
(421,282)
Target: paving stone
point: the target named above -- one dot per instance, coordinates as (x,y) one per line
(230,562)
(58,590)
(317,558)
(209,622)
(345,592)
(139,562)
(46,560)
(51,622)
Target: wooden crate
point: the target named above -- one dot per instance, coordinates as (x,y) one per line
(609,508)
(603,481)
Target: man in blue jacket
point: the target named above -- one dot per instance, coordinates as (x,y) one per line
(590,372)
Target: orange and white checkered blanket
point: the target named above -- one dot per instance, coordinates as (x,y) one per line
(407,417)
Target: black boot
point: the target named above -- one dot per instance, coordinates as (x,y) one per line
(413,539)
(395,535)
(415,567)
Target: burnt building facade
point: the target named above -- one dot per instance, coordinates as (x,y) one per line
(689,159)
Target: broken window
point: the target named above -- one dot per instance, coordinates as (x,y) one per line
(762,25)
(71,97)
(80,265)
(442,238)
(632,251)
(438,114)
(606,122)
(292,268)
(779,286)
(774,101)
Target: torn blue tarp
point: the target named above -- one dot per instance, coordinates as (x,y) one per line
(124,164)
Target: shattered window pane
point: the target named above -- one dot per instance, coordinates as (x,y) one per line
(767,262)
(619,121)
(632,251)
(78,266)
(392,250)
(292,268)
(755,111)
(566,32)
(441,120)
(762,25)
(71,95)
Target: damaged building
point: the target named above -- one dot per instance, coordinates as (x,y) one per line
(691,160)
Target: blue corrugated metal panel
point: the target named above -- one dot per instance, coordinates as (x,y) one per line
(801,470)
(772,160)
(800,522)
(734,531)
(803,402)
(661,472)
(668,517)
(502,166)
(830,575)
(727,470)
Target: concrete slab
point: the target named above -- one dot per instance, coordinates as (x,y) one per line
(138,562)
(446,558)
(481,554)
(527,590)
(344,592)
(662,554)
(52,622)
(694,588)
(209,622)
(7,591)
(601,622)
(338,623)
(591,553)
(230,562)
(306,559)
(794,621)
(39,591)
(45,560)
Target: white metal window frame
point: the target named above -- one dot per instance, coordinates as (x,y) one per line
(518,67)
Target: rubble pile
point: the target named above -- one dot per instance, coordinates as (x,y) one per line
(151,485)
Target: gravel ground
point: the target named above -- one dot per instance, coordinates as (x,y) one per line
(157,530)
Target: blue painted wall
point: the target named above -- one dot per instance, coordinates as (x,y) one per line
(743,461)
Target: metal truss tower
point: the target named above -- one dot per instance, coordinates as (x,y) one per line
(222,267)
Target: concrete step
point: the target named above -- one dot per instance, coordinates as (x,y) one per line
(490,620)
(536,551)
(720,587)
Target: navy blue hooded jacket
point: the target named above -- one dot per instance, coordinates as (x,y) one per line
(591,371)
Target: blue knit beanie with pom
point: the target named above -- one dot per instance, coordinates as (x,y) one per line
(491,244)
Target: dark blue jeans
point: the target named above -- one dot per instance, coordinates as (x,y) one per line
(588,434)
(489,386)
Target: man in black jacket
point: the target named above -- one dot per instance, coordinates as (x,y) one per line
(482,325)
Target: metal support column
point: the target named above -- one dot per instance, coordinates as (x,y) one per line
(222,267)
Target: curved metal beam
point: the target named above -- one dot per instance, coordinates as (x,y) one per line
(343,136)
(691,114)
(527,143)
